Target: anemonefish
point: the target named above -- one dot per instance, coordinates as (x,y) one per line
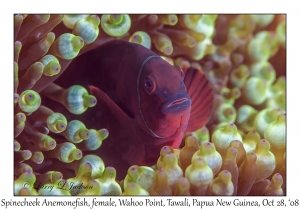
(143,101)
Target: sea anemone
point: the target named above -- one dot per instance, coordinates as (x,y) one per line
(240,151)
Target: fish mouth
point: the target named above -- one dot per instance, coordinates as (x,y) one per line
(177,103)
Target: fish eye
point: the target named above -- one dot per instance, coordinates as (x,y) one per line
(149,84)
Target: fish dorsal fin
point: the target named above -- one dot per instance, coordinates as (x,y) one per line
(202,95)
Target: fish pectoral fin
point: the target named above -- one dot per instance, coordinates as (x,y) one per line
(202,95)
(118,112)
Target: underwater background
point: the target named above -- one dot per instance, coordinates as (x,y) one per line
(240,151)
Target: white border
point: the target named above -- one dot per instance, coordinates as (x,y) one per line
(8,8)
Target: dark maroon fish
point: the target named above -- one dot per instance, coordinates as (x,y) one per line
(143,101)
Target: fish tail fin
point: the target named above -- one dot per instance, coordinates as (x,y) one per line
(202,95)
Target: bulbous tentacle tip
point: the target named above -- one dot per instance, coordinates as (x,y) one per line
(167,49)
(182,187)
(226,113)
(222,184)
(254,90)
(70,20)
(275,133)
(97,165)
(281,33)
(27,192)
(17,146)
(245,118)
(172,19)
(262,20)
(104,133)
(134,189)
(202,135)
(199,162)
(166,150)
(56,122)
(56,176)
(263,70)
(16,98)
(275,187)
(170,159)
(76,98)
(20,118)
(37,157)
(76,131)
(76,154)
(95,139)
(231,153)
(50,144)
(116,25)
(109,172)
(67,46)
(152,19)
(222,137)
(142,38)
(89,100)
(263,144)
(162,42)
(60,126)
(84,168)
(239,75)
(133,170)
(87,28)
(266,161)
(22,155)
(144,176)
(51,65)
(213,158)
(225,176)
(84,134)
(29,101)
